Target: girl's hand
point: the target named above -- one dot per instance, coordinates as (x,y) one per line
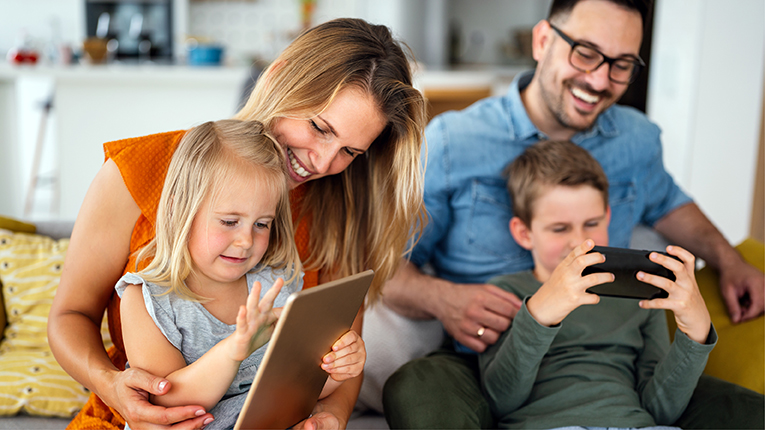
(565,290)
(685,299)
(255,322)
(347,358)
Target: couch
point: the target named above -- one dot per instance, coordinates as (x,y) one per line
(739,356)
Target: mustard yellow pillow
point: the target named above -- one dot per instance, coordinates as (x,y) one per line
(30,378)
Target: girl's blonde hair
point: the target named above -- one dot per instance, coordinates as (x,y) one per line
(208,156)
(363,217)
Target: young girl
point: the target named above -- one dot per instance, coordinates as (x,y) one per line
(223,242)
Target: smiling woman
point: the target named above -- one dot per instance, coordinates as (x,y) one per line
(340,90)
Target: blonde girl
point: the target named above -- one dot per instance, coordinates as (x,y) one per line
(224,235)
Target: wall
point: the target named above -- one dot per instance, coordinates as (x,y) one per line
(706,94)
(42,21)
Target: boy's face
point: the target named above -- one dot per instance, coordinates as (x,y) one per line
(562,218)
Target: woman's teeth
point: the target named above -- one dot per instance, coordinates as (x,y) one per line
(296,166)
(584,96)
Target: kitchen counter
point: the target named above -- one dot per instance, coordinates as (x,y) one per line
(126,73)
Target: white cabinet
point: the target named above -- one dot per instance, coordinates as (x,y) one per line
(93,105)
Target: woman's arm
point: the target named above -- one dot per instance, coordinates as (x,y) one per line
(97,254)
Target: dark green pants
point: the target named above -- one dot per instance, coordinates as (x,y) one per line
(442,391)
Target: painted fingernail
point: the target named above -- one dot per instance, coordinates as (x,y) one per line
(162,385)
(641,275)
(209,420)
(200,412)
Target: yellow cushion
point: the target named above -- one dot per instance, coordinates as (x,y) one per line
(739,356)
(30,378)
(12,224)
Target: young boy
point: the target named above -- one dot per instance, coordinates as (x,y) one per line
(564,364)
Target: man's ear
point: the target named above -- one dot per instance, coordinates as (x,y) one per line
(540,39)
(521,233)
(608,215)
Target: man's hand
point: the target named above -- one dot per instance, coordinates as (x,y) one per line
(477,314)
(743,289)
(130,396)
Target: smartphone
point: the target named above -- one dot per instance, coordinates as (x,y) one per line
(625,264)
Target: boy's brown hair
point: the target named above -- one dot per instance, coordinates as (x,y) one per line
(546,164)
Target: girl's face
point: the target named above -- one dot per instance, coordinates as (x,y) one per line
(230,233)
(327,143)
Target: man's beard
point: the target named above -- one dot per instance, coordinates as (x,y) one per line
(556,106)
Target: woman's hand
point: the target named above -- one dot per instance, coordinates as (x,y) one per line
(347,358)
(131,398)
(685,299)
(255,322)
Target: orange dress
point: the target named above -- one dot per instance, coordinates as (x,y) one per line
(143,163)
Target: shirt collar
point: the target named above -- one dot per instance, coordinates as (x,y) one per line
(522,128)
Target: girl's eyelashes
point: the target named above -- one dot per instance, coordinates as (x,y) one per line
(228,222)
(261,224)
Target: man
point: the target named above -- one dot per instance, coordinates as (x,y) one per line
(587,54)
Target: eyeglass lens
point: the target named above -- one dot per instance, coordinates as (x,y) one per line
(587,59)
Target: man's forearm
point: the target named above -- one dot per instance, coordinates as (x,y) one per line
(412,293)
(688,227)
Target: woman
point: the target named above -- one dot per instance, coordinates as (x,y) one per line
(340,101)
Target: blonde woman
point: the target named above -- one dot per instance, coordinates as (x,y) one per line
(340,102)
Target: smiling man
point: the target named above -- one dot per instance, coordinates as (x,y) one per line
(587,54)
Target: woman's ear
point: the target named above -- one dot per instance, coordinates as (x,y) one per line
(521,233)
(540,39)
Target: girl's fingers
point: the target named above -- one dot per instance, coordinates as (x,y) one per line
(267,302)
(241,319)
(345,340)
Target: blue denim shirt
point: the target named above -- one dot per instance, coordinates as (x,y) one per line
(467,239)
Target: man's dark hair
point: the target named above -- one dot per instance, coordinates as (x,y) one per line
(564,7)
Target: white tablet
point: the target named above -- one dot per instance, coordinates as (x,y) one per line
(290,378)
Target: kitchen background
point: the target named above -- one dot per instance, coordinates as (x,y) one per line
(705,86)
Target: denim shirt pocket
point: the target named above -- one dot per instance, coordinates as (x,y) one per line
(622,196)
(488,228)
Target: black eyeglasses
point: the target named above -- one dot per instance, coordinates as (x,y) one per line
(587,59)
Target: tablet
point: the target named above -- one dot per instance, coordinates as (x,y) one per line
(290,378)
(624,264)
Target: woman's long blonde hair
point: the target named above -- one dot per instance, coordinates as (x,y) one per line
(365,216)
(208,156)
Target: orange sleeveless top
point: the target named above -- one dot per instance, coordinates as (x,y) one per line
(143,163)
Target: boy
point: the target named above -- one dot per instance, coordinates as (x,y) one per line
(562,363)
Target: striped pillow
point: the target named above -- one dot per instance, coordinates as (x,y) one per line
(31,381)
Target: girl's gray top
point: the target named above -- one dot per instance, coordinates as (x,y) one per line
(193,330)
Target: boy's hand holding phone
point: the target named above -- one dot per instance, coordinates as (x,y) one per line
(255,322)
(685,299)
(565,290)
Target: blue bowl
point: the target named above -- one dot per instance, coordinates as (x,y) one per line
(205,55)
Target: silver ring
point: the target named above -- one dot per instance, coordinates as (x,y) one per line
(481,331)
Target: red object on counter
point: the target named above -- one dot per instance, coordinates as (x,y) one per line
(22,56)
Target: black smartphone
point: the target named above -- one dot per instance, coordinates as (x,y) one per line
(624,264)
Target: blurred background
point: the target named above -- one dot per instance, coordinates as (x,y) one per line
(77,73)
